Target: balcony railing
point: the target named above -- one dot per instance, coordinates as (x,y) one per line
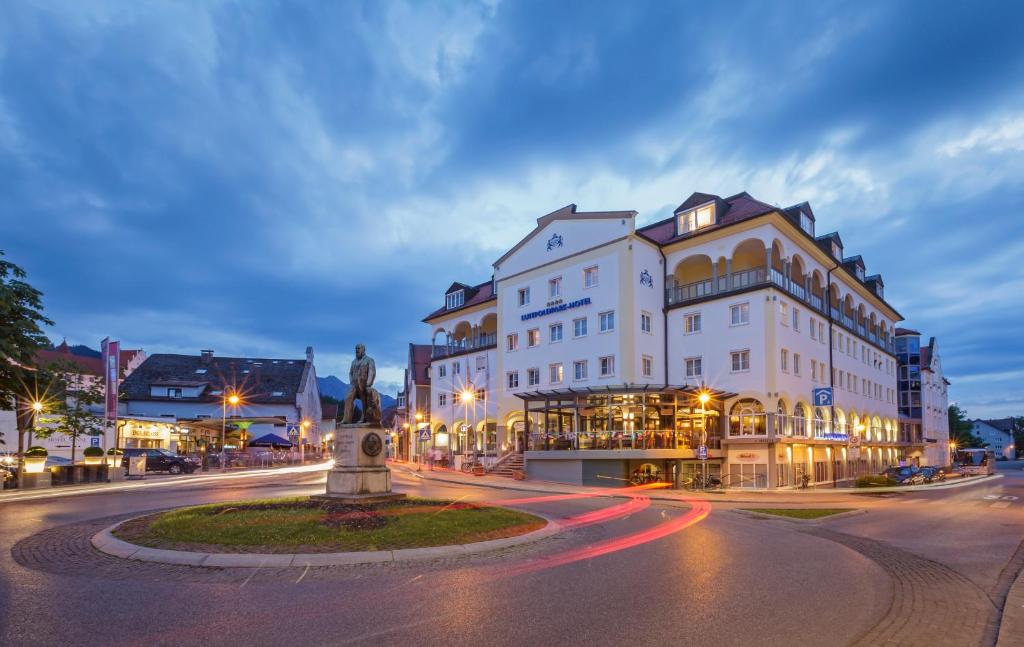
(621,439)
(744,279)
(466,345)
(773,425)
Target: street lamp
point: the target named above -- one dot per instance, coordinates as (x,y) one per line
(703,398)
(466,397)
(233,400)
(304,427)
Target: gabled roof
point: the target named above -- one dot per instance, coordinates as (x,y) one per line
(256,379)
(455,287)
(419,360)
(568,212)
(733,209)
(795,211)
(1002,424)
(825,241)
(475,295)
(905,331)
(62,354)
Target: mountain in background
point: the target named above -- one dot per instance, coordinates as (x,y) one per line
(337,389)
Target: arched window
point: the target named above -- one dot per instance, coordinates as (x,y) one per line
(819,421)
(800,419)
(746,418)
(783,423)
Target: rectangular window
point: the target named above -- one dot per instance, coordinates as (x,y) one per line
(456,368)
(512,342)
(174,393)
(533,376)
(646,366)
(555,331)
(512,379)
(607,364)
(579,327)
(442,370)
(783,313)
(455,299)
(784,361)
(481,362)
(739,314)
(555,373)
(524,296)
(796,319)
(607,321)
(821,331)
(694,367)
(645,322)
(796,363)
(590,277)
(533,337)
(814,371)
(442,399)
(740,360)
(839,380)
(691,323)
(579,370)
(555,287)
(813,326)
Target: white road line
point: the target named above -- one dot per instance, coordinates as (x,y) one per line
(1000,504)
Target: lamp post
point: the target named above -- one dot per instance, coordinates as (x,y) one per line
(36,408)
(304,427)
(418,417)
(703,398)
(233,400)
(467,396)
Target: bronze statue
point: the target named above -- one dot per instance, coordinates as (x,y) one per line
(360,376)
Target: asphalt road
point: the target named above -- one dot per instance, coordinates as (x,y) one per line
(641,579)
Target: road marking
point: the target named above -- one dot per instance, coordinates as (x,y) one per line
(912,500)
(301,577)
(1000,504)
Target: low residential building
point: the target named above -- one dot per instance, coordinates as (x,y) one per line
(923,393)
(181,402)
(412,413)
(590,348)
(996,435)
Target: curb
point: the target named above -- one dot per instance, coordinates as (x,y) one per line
(105,542)
(813,522)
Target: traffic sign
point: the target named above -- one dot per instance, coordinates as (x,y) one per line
(424,434)
(823,396)
(94,441)
(293,428)
(702,452)
(854,441)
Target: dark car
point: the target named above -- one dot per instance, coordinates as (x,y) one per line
(905,475)
(933,474)
(161,460)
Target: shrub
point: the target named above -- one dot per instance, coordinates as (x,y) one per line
(874,480)
(92,452)
(36,452)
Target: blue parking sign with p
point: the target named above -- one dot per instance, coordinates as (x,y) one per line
(823,397)
(95,441)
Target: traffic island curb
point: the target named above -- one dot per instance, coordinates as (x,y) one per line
(796,520)
(105,542)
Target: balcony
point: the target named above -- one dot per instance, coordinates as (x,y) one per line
(771,277)
(772,426)
(466,345)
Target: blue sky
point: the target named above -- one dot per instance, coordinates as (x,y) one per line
(256,177)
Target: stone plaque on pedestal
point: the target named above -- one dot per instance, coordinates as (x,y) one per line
(360,474)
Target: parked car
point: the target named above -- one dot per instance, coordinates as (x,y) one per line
(905,475)
(933,474)
(161,460)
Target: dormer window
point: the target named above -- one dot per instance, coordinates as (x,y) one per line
(200,371)
(455,299)
(860,272)
(696,218)
(806,223)
(879,290)
(837,251)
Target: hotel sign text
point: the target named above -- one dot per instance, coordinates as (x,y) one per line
(558,308)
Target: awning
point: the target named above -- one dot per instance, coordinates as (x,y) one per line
(270,440)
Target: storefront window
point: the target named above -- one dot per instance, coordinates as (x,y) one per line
(747,418)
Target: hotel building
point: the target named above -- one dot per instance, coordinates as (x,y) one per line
(588,351)
(922,393)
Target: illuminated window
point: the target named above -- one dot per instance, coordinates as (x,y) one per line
(533,337)
(512,342)
(696,218)
(555,373)
(607,365)
(691,323)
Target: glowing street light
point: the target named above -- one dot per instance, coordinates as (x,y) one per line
(233,400)
(37,406)
(303,427)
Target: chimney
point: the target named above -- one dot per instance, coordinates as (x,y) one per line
(309,353)
(206,356)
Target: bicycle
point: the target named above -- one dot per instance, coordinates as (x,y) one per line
(470,463)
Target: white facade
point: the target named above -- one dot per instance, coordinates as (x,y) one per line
(586,302)
(998,439)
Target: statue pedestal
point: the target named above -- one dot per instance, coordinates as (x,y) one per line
(360,474)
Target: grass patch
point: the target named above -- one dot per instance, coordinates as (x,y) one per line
(800,513)
(301,525)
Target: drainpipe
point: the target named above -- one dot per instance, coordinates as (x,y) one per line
(831,349)
(664,311)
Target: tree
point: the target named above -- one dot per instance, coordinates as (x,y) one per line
(1018,434)
(21,335)
(79,397)
(960,429)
